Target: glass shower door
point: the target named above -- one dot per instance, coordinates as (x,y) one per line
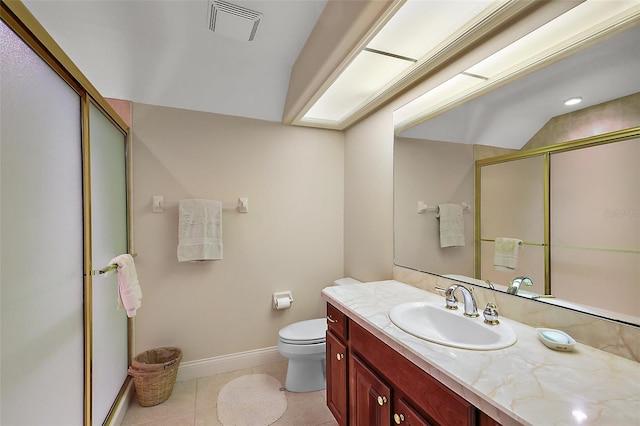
(109,239)
(41,252)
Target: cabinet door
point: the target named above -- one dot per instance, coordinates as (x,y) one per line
(370,396)
(404,415)
(337,379)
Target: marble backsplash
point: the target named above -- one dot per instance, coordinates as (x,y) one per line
(610,336)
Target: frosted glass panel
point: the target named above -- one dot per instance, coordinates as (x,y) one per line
(595,218)
(41,255)
(109,239)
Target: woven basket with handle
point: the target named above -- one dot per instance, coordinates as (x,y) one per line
(154,374)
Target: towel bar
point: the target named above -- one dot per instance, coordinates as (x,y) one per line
(107,268)
(521,243)
(422,207)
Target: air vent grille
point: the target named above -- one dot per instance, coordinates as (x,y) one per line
(233,21)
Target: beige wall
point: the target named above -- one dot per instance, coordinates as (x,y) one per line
(291,239)
(368,198)
(435,173)
(618,114)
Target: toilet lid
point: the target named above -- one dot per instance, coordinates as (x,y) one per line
(304,332)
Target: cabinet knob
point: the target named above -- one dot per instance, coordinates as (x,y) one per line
(339,356)
(398,418)
(382,400)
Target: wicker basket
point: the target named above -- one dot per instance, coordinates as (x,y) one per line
(154,374)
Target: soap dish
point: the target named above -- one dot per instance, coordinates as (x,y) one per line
(556,339)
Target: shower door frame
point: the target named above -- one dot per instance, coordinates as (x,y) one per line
(17,17)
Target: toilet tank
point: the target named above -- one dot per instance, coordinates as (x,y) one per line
(346,281)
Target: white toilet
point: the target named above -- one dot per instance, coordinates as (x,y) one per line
(303,343)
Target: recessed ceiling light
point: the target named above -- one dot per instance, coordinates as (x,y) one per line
(572,101)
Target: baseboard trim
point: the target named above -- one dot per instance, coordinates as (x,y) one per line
(211,366)
(116,416)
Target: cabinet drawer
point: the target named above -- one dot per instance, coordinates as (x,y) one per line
(337,322)
(404,415)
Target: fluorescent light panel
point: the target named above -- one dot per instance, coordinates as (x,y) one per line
(417,30)
(420,26)
(584,20)
(367,74)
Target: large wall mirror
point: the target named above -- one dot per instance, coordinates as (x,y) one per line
(562,180)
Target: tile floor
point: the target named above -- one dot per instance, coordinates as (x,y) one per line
(193,403)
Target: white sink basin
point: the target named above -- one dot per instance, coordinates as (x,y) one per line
(438,324)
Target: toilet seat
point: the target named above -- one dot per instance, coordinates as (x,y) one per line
(304,332)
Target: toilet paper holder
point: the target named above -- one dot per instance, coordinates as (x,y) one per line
(282,299)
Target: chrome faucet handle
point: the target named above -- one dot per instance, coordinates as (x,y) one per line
(452,302)
(491,314)
(450,299)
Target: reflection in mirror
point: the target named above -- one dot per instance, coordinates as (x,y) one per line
(512,206)
(576,239)
(434,159)
(596,189)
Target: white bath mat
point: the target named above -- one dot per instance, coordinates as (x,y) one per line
(251,400)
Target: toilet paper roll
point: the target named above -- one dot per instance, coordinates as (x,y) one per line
(283,303)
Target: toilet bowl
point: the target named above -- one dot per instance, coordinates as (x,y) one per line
(303,344)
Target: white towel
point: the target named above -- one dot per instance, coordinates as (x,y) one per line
(128,285)
(505,257)
(451,225)
(199,230)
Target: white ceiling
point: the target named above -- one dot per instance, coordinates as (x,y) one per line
(510,116)
(162,52)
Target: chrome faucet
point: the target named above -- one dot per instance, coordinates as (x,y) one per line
(515,284)
(470,307)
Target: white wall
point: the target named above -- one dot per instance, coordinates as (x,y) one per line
(291,239)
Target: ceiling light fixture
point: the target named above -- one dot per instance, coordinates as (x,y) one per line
(573,101)
(417,31)
(573,29)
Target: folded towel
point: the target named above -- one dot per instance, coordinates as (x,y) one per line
(199,230)
(128,285)
(451,225)
(505,256)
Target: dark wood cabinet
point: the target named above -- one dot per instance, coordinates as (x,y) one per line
(369,396)
(337,362)
(405,415)
(370,384)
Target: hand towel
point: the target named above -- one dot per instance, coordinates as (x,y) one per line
(199,230)
(128,285)
(451,225)
(505,256)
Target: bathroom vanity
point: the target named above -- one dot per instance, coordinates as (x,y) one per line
(379,375)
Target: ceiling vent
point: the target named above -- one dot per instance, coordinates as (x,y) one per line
(232,21)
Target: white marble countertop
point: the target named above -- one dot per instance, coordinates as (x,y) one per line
(526,383)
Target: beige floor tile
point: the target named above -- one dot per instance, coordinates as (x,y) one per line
(181,401)
(179,420)
(209,387)
(207,417)
(305,409)
(277,370)
(194,403)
